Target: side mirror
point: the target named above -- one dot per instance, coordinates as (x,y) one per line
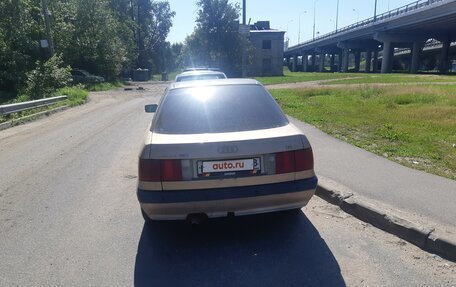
(151,108)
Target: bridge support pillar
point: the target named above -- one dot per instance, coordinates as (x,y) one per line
(339,62)
(321,64)
(402,40)
(444,56)
(305,63)
(368,61)
(314,62)
(388,57)
(332,63)
(294,64)
(416,53)
(357,60)
(375,63)
(345,58)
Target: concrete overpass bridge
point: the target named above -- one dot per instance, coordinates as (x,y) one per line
(429,60)
(412,26)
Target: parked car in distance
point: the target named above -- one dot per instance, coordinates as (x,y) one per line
(200,75)
(83,77)
(218,148)
(202,69)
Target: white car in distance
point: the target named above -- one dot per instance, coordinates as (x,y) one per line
(197,75)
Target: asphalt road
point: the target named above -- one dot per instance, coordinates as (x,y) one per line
(69,217)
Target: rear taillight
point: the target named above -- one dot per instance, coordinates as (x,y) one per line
(171,170)
(149,170)
(304,159)
(285,162)
(294,161)
(159,170)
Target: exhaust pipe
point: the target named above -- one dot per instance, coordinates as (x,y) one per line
(196,218)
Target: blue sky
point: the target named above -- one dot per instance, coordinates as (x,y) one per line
(285,14)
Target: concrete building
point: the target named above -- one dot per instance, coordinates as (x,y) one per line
(268,47)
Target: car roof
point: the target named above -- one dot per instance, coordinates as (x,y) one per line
(200,72)
(203,69)
(217,82)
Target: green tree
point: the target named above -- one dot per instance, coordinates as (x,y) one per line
(123,11)
(169,58)
(87,34)
(215,41)
(47,77)
(101,36)
(176,62)
(154,20)
(21,29)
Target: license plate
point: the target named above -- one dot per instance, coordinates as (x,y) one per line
(228,166)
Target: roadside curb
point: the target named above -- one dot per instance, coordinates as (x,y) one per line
(425,237)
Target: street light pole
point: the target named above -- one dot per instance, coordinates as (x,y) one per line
(357,15)
(375,11)
(337,14)
(299,28)
(244,10)
(288,35)
(315,8)
(47,23)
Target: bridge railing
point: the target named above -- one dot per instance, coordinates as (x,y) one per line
(380,17)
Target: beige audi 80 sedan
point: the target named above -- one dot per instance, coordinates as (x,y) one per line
(220,148)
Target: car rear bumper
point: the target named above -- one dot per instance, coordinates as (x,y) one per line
(177,205)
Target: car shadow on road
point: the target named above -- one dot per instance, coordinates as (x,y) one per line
(278,249)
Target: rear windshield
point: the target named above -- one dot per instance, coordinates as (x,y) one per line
(218,109)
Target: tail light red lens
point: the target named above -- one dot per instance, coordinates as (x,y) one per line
(294,161)
(149,170)
(304,159)
(285,162)
(159,170)
(171,170)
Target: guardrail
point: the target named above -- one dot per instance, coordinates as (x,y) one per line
(19,107)
(373,20)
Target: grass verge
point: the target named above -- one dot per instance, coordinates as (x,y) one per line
(295,77)
(76,95)
(415,126)
(392,79)
(106,86)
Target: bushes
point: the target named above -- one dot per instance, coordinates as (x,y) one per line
(46,78)
(76,95)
